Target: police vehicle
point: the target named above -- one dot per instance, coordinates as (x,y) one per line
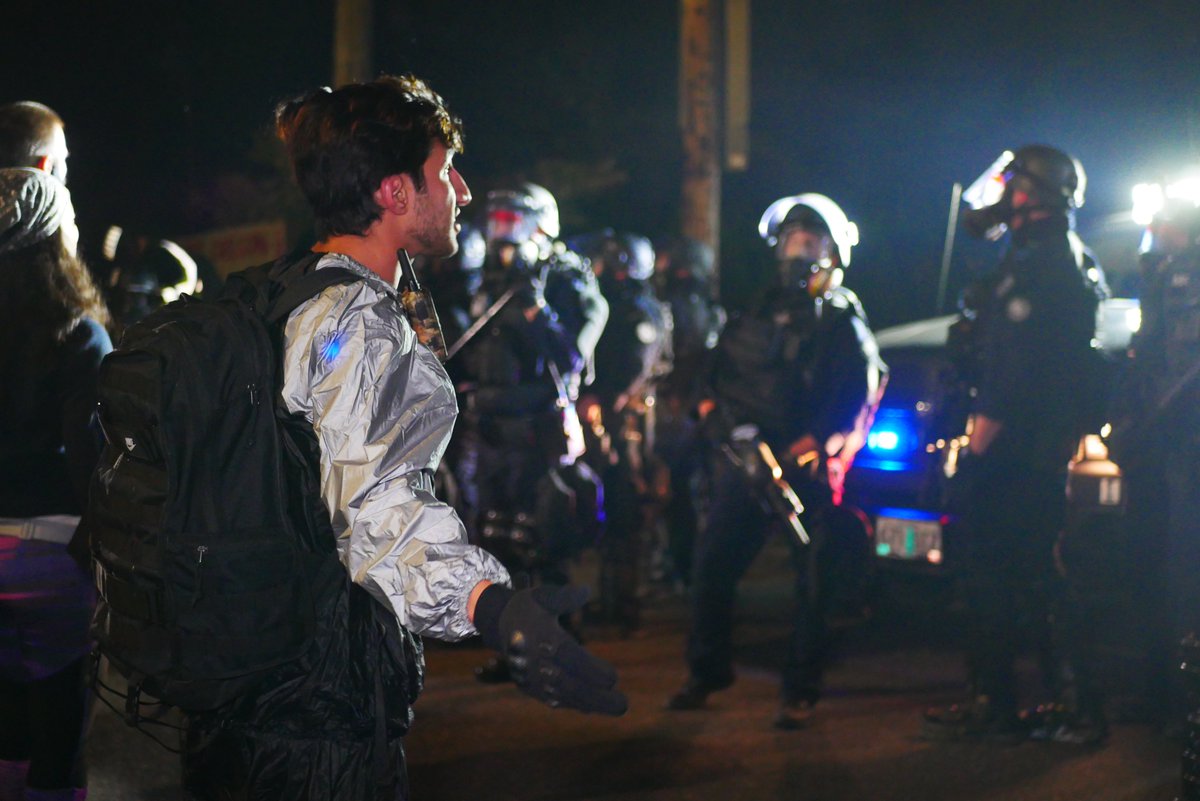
(900,477)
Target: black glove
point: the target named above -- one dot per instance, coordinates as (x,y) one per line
(545,661)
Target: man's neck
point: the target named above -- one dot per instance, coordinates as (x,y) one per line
(373,253)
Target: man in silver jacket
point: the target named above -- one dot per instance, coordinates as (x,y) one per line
(375,161)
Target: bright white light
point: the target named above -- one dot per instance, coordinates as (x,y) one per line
(1186,189)
(934,556)
(1148,200)
(1133,319)
(883,440)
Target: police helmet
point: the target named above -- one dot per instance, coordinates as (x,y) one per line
(685,258)
(519,215)
(1056,176)
(619,255)
(810,210)
(165,270)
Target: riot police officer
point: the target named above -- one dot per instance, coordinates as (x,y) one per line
(618,410)
(798,374)
(683,270)
(544,316)
(1034,376)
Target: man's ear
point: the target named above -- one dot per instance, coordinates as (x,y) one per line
(394,193)
(43,163)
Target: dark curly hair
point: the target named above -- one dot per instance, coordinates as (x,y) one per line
(342,143)
(44,293)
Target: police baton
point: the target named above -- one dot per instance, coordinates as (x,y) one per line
(483,320)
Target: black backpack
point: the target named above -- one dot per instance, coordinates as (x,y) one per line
(206,527)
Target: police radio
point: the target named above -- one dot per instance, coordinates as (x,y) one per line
(419,309)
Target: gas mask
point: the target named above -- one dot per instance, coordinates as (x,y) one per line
(989,222)
(805,258)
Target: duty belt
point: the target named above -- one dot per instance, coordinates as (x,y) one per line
(52,528)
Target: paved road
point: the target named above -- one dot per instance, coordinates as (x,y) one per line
(487,742)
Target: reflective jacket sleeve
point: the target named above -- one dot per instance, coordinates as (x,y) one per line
(382,408)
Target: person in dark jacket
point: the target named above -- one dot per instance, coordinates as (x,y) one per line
(799,373)
(51,344)
(1032,333)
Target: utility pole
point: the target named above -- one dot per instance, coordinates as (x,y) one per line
(714,34)
(698,103)
(352,28)
(737,85)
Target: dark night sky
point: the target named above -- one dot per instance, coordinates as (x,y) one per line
(880,105)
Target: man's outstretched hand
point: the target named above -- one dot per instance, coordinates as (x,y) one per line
(545,661)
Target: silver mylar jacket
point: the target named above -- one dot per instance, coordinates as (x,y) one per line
(383,409)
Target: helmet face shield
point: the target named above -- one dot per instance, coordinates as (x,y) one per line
(616,256)
(512,225)
(526,218)
(775,221)
(988,188)
(987,197)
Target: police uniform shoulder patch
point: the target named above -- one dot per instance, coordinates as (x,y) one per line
(1018,309)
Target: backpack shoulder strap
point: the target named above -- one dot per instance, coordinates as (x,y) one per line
(299,288)
(277,288)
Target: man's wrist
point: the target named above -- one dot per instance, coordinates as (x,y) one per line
(487,610)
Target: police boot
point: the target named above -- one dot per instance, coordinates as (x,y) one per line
(694,694)
(978,719)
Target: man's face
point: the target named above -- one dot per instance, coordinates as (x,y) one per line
(807,245)
(436,206)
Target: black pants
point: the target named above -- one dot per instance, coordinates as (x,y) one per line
(736,531)
(43,721)
(679,445)
(1013,514)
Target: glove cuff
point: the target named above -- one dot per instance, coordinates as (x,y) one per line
(488,609)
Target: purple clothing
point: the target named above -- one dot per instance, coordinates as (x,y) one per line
(46,604)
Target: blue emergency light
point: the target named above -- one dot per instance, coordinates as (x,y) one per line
(892,442)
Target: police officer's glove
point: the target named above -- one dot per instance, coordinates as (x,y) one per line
(545,661)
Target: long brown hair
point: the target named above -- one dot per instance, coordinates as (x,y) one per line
(44,293)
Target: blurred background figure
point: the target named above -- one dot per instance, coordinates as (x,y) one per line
(145,274)
(618,412)
(683,270)
(799,375)
(1156,441)
(542,316)
(51,344)
(453,282)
